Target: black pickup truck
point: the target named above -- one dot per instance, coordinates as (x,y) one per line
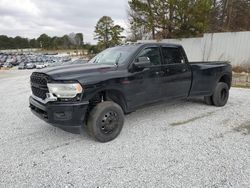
(118,81)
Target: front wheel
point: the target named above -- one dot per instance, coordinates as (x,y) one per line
(105,121)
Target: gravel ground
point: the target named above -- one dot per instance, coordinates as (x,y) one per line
(179,144)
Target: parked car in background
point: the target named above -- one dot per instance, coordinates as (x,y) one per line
(22,66)
(3,58)
(7,65)
(40,65)
(32,60)
(30,66)
(66,59)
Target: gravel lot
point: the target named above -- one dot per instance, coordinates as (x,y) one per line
(179,144)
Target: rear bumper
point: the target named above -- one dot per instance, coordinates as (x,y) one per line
(67,116)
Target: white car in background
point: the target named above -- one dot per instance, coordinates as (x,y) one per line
(40,65)
(30,66)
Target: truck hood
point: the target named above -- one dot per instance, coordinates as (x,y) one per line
(77,72)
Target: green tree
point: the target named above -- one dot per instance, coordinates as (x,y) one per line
(192,17)
(65,42)
(169,18)
(55,43)
(92,49)
(6,42)
(107,33)
(141,18)
(232,15)
(20,42)
(186,18)
(116,37)
(79,39)
(13,43)
(33,43)
(44,41)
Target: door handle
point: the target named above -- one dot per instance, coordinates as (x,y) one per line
(184,70)
(159,73)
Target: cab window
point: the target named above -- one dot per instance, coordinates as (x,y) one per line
(172,55)
(152,53)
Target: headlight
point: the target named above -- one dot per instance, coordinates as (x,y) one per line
(67,90)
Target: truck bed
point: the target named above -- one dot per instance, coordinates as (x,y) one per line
(206,74)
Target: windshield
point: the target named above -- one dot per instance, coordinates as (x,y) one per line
(114,56)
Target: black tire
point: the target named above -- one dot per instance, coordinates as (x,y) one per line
(105,121)
(221,94)
(208,100)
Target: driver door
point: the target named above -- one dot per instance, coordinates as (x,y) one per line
(147,81)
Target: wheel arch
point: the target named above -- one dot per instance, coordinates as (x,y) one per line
(226,78)
(110,94)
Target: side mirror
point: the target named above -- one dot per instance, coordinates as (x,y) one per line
(142,62)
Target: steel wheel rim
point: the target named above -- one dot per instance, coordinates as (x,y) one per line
(109,122)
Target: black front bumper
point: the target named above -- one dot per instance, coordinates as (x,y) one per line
(67,116)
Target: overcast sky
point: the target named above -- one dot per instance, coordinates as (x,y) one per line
(30,18)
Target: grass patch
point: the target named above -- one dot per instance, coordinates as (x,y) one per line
(241,86)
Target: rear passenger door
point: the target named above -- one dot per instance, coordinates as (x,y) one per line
(176,81)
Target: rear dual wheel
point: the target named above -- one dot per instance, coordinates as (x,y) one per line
(220,95)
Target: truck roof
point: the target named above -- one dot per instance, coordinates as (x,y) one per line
(151,43)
